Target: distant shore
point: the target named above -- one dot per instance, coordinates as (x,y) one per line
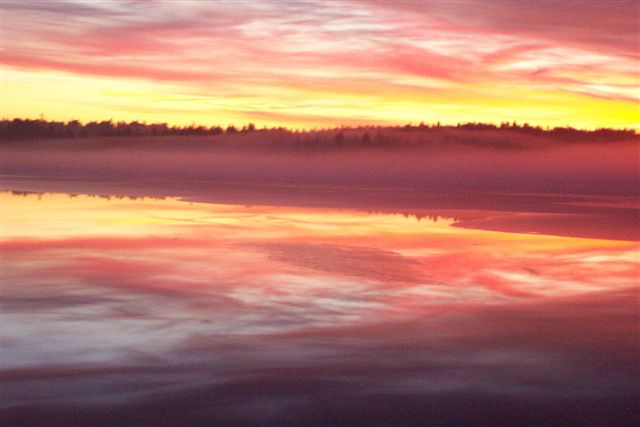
(432,159)
(504,135)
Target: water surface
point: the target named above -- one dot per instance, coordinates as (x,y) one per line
(161,311)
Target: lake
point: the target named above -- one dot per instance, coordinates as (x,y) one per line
(138,310)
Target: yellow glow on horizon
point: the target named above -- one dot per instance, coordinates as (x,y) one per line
(64,96)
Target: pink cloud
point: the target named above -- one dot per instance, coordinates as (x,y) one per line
(275,50)
(608,27)
(106,69)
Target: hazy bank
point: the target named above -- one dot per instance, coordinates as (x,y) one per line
(516,166)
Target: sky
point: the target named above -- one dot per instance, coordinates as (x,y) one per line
(323,63)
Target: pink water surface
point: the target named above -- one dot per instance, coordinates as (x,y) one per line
(161,311)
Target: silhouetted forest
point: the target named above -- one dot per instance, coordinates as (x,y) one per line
(504,135)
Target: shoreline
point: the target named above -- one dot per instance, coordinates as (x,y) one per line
(582,216)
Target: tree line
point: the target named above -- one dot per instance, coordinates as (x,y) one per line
(45,129)
(474,133)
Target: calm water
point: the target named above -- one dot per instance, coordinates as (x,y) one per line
(163,312)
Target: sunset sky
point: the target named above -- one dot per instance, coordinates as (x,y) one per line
(321,63)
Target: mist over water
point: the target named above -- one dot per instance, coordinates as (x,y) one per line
(554,167)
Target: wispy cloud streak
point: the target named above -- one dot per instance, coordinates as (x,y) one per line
(430,59)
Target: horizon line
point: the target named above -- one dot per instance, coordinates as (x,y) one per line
(422,124)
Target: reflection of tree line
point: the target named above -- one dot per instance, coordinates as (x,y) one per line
(40,194)
(504,135)
(419,216)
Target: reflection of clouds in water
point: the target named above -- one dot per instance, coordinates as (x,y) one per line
(238,325)
(126,301)
(363,262)
(493,354)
